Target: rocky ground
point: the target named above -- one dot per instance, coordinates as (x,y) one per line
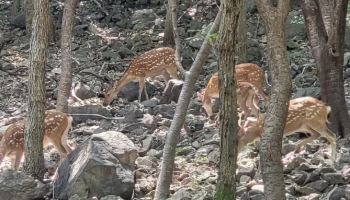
(108,35)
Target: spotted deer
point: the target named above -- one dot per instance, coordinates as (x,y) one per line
(305,114)
(57,125)
(246,72)
(160,61)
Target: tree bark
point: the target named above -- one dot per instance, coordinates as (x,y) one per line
(65,83)
(33,137)
(226,186)
(274,19)
(326,31)
(168,39)
(172,5)
(167,166)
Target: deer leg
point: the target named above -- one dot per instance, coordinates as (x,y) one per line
(142,87)
(17,160)
(314,136)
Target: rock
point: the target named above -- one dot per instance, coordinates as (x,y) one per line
(193,123)
(131,91)
(166,110)
(111,197)
(244,179)
(88,109)
(150,103)
(299,177)
(214,156)
(306,190)
(319,185)
(17,185)
(182,194)
(295,26)
(100,166)
(308,91)
(19,21)
(143,19)
(171,91)
(333,178)
(336,193)
(83,91)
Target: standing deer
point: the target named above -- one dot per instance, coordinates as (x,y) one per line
(305,114)
(246,72)
(160,61)
(57,125)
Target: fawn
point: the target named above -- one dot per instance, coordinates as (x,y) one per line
(57,125)
(160,61)
(305,114)
(246,72)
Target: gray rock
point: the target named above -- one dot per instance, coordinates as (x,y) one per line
(336,193)
(319,185)
(85,110)
(143,19)
(100,166)
(299,177)
(19,21)
(131,91)
(111,197)
(166,110)
(182,194)
(16,185)
(214,156)
(171,91)
(333,178)
(194,123)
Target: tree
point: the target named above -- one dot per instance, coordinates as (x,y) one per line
(168,31)
(66,54)
(33,137)
(274,16)
(167,166)
(228,37)
(325,25)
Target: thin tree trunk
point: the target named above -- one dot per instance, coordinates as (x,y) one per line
(326,31)
(241,46)
(274,18)
(226,186)
(172,5)
(65,83)
(168,31)
(167,166)
(33,137)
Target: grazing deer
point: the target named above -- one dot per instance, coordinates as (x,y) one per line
(57,125)
(246,72)
(305,114)
(160,61)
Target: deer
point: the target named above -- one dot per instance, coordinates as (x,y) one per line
(246,72)
(305,114)
(159,61)
(57,125)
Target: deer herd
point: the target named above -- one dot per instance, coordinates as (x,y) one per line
(305,114)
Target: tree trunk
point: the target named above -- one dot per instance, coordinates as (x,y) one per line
(226,186)
(326,31)
(241,45)
(167,166)
(33,137)
(29,11)
(274,18)
(168,31)
(172,6)
(65,83)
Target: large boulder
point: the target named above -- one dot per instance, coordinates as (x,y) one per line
(17,185)
(100,166)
